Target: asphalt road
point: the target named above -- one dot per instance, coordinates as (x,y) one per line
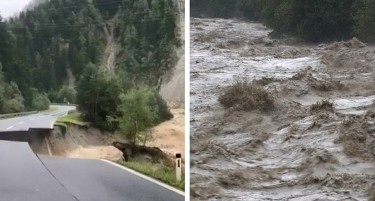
(40,120)
(25,176)
(96,180)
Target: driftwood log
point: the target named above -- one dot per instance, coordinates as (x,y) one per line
(131,151)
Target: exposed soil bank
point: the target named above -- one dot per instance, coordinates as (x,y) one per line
(91,143)
(78,142)
(297,151)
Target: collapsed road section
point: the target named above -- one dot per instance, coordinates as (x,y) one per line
(25,175)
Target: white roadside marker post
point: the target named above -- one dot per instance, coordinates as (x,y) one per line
(178,167)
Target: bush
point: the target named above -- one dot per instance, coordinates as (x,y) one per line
(244,95)
(13,106)
(11,99)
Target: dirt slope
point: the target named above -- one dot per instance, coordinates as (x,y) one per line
(173,86)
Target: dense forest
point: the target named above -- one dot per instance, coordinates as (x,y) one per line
(312,20)
(89,52)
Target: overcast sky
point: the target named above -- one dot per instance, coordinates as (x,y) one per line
(10,7)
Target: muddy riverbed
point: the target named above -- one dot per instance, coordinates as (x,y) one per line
(291,152)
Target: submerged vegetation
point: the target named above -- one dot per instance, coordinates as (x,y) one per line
(247,96)
(324,105)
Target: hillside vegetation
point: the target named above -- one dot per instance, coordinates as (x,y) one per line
(312,20)
(56,51)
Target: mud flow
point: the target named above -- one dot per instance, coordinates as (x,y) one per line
(318,143)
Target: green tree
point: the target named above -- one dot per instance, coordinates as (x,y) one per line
(13,99)
(40,101)
(138,113)
(365,20)
(46,47)
(66,95)
(312,20)
(98,95)
(140,109)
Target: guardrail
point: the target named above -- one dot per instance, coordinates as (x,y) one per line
(10,115)
(63,104)
(4,116)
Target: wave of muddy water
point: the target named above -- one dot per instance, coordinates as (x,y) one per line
(290,153)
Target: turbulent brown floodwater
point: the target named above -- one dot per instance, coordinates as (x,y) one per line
(291,153)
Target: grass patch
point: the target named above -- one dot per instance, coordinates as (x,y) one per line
(157,171)
(73,118)
(247,96)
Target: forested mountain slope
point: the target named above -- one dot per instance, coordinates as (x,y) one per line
(45,50)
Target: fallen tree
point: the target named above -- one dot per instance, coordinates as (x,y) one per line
(133,151)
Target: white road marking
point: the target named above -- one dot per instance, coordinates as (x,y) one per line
(31,119)
(145,177)
(22,122)
(10,127)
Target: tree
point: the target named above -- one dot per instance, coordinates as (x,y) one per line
(40,101)
(46,47)
(364,25)
(138,113)
(98,95)
(312,20)
(13,99)
(140,109)
(66,95)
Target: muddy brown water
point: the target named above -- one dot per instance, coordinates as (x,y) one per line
(290,153)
